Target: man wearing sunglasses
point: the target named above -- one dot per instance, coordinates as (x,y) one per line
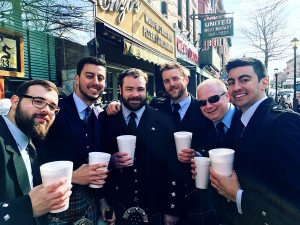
(214,102)
(22,199)
(263,189)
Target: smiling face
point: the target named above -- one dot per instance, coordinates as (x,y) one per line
(133,92)
(32,121)
(175,84)
(244,87)
(90,83)
(213,111)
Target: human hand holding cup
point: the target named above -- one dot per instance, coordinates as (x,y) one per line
(222,160)
(127,143)
(53,172)
(97,158)
(183,140)
(202,170)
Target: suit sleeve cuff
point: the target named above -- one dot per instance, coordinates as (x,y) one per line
(239,200)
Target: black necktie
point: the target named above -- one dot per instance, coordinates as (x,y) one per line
(220,131)
(176,115)
(132,123)
(34,164)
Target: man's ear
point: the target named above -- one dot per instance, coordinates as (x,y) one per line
(14,101)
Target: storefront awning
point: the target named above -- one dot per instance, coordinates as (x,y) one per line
(206,74)
(144,54)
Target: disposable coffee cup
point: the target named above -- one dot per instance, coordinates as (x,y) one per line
(183,140)
(54,171)
(96,158)
(202,169)
(222,160)
(127,143)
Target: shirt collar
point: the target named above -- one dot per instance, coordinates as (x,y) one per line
(228,116)
(138,113)
(80,105)
(249,113)
(21,139)
(184,103)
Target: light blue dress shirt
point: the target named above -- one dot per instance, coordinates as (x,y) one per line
(184,104)
(138,113)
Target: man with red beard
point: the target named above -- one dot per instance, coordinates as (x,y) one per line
(144,192)
(190,118)
(22,200)
(73,135)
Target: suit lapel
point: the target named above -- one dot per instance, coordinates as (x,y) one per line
(14,153)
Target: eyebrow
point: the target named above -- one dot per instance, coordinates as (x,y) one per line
(240,77)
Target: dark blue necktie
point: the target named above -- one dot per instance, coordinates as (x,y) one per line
(132,124)
(220,131)
(176,115)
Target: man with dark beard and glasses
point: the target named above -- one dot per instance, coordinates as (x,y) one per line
(146,190)
(73,135)
(22,199)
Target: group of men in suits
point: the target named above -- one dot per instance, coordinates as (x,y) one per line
(157,188)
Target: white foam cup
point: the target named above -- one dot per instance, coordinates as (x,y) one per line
(98,157)
(127,143)
(54,171)
(183,140)
(202,169)
(222,160)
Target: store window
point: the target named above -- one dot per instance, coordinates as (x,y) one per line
(55,35)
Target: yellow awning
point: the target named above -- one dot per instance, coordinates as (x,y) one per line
(144,54)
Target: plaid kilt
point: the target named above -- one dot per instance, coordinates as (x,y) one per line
(81,204)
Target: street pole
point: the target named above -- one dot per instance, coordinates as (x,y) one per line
(295,43)
(276,86)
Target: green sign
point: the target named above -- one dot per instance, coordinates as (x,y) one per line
(216,28)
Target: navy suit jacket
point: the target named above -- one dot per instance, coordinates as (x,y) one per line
(267,163)
(14,181)
(67,137)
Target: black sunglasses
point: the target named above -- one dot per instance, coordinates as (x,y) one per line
(211,99)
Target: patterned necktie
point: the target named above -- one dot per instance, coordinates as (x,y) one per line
(34,164)
(220,131)
(132,124)
(88,112)
(176,115)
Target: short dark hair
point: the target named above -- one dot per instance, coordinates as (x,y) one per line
(132,72)
(257,65)
(89,60)
(174,65)
(23,88)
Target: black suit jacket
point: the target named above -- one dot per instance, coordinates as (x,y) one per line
(193,121)
(267,163)
(14,182)
(225,210)
(155,162)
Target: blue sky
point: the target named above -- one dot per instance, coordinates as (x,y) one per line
(240,48)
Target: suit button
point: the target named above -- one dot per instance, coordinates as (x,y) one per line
(87,147)
(263,213)
(173,194)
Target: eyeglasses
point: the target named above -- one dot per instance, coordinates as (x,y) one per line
(40,103)
(211,99)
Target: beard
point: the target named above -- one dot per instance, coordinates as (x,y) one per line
(181,91)
(134,107)
(27,125)
(88,97)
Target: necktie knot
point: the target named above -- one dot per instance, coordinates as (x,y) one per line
(176,107)
(176,115)
(132,123)
(220,131)
(88,112)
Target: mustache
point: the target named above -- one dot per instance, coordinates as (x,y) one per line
(173,87)
(135,99)
(42,115)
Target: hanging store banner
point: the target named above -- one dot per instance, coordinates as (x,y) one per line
(216,27)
